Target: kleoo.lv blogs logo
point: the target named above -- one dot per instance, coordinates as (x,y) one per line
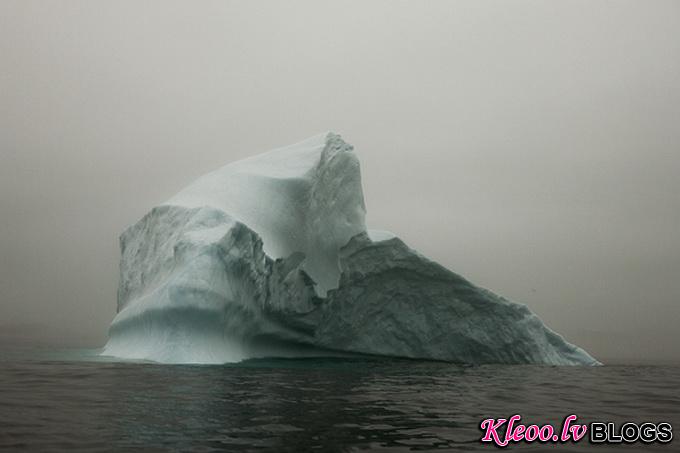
(504,431)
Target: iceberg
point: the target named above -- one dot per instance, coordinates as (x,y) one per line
(270,257)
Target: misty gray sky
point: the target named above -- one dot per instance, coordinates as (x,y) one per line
(532,146)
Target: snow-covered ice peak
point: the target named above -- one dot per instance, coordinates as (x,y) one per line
(305,197)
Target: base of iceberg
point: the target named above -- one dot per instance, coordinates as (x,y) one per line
(270,256)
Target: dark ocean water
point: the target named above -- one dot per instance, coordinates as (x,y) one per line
(65,402)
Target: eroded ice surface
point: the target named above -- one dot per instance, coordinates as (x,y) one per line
(270,256)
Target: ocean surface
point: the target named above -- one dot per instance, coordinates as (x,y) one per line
(74,401)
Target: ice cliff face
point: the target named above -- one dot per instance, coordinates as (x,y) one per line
(270,256)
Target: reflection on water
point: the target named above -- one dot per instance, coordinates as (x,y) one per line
(301,405)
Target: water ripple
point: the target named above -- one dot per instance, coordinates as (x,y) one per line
(303,405)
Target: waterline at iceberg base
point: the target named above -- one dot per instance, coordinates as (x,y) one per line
(270,256)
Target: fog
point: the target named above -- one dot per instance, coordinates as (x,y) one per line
(531,146)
